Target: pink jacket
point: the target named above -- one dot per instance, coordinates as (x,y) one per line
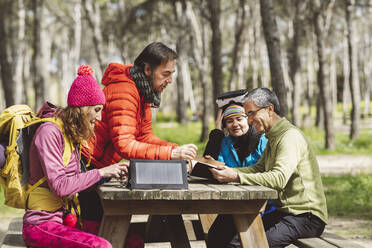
(46,160)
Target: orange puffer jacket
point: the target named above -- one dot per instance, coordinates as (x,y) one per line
(126,127)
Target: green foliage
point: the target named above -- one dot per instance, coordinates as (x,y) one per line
(349,195)
(165,117)
(180,134)
(362,145)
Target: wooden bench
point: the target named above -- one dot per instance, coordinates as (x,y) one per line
(13,237)
(326,240)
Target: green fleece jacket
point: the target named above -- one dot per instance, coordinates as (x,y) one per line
(289,166)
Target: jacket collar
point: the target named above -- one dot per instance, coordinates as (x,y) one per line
(278,128)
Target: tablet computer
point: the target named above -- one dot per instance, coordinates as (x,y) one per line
(157,174)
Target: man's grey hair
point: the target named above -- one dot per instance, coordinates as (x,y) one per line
(263,97)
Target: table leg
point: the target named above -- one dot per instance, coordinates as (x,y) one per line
(114,228)
(250,230)
(206,221)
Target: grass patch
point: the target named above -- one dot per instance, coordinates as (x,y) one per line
(349,195)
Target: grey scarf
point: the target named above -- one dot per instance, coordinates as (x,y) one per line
(144,85)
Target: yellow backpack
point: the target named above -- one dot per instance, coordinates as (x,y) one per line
(18,125)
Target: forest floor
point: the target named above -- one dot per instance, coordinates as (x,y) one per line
(350,228)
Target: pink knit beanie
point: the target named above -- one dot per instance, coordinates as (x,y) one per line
(85,91)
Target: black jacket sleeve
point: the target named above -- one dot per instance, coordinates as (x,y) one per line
(214,143)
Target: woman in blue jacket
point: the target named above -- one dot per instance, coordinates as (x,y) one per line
(242,146)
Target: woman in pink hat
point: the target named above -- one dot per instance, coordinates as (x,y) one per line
(52,210)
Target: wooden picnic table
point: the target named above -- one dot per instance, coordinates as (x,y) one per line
(202,197)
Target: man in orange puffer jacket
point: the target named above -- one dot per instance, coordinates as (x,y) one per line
(125,131)
(126,127)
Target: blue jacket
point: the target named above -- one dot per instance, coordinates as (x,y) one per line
(229,156)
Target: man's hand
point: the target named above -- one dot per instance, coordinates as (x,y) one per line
(184,152)
(225,174)
(118,170)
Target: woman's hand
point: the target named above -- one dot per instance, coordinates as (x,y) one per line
(118,170)
(184,152)
(219,119)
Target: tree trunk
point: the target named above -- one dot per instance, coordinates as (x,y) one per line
(21,47)
(310,78)
(253,36)
(39,67)
(368,77)
(215,11)
(180,9)
(237,48)
(242,82)
(253,56)
(75,51)
(199,41)
(346,89)
(318,22)
(273,47)
(6,66)
(26,77)
(353,77)
(333,79)
(367,67)
(93,16)
(295,62)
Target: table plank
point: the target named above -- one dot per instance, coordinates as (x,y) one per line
(164,207)
(230,192)
(200,191)
(196,191)
(259,192)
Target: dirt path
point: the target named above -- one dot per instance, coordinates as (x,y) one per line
(359,231)
(343,164)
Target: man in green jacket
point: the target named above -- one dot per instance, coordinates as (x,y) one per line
(287,165)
